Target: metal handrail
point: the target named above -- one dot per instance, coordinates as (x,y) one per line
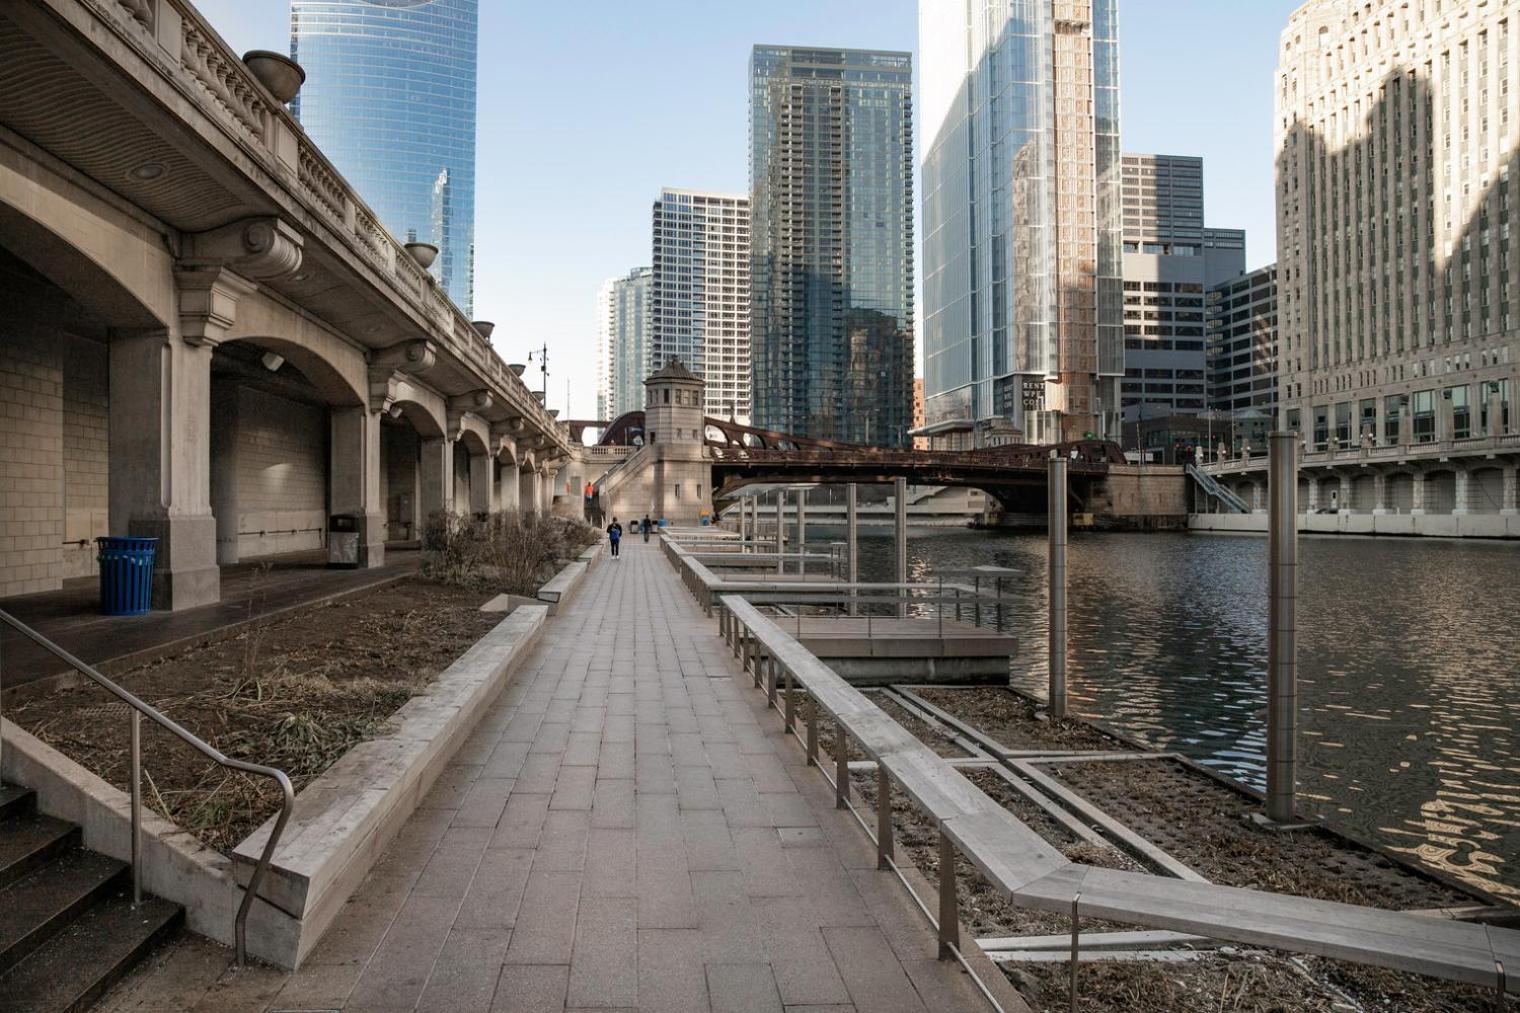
(140,708)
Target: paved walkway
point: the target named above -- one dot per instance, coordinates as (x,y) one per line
(628,828)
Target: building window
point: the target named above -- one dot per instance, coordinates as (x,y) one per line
(1321,426)
(1461,412)
(1343,423)
(675,490)
(1394,408)
(1424,416)
(1487,390)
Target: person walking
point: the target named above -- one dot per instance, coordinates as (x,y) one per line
(614,536)
(645,527)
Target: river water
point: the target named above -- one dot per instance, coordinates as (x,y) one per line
(1409,669)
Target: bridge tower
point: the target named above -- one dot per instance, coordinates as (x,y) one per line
(680,487)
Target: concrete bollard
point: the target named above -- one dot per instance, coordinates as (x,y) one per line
(1282,626)
(801,532)
(1056,567)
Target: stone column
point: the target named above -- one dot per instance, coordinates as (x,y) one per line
(507,487)
(437,478)
(224,479)
(354,478)
(160,454)
(1313,505)
(1406,424)
(482,484)
(1417,496)
(1508,504)
(1344,490)
(1445,418)
(527,491)
(1380,494)
(547,485)
(1463,504)
(1495,414)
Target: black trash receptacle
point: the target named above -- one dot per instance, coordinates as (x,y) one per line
(343,541)
(126,575)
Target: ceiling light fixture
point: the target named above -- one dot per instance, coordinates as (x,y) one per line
(149,170)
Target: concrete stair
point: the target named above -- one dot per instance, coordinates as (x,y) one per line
(68,930)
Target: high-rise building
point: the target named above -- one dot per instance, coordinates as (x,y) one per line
(700,310)
(390,98)
(1023,305)
(623,327)
(831,202)
(1170,261)
(1242,355)
(1398,163)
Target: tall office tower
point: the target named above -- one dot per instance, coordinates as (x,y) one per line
(831,203)
(700,298)
(623,324)
(1242,354)
(606,350)
(1023,305)
(390,98)
(1397,181)
(1170,260)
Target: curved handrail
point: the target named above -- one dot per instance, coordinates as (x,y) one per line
(240,923)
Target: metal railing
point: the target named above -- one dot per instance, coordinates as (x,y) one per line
(138,709)
(1206,482)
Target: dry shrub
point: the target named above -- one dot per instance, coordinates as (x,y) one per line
(513,552)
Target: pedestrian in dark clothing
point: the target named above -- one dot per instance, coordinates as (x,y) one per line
(646,526)
(614,536)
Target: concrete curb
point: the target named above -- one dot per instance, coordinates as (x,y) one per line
(344,819)
(562,587)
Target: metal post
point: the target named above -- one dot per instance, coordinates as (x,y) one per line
(1076,932)
(1282,645)
(841,767)
(1056,523)
(791,701)
(136,807)
(770,682)
(852,536)
(884,849)
(743,525)
(900,530)
(780,531)
(949,909)
(801,532)
(812,731)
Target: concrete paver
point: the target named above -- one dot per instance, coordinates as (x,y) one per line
(628,829)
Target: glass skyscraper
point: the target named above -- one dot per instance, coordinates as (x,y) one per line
(831,206)
(390,98)
(1023,298)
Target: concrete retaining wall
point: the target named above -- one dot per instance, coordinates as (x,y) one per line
(1425,525)
(562,588)
(344,819)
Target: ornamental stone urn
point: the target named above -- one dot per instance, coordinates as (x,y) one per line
(423,253)
(276,72)
(518,368)
(485,327)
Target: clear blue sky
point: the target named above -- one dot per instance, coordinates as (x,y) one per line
(587,109)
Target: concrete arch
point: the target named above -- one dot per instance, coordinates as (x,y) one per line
(1485,490)
(473,435)
(325,376)
(114,266)
(337,369)
(1440,491)
(426,420)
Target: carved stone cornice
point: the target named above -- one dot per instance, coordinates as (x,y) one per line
(390,369)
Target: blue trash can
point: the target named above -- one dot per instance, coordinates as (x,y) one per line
(126,575)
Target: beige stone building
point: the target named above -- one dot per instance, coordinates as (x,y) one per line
(1398,135)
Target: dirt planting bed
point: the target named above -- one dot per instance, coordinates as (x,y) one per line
(1205,825)
(294,694)
(1013,721)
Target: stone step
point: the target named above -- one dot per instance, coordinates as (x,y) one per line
(16,802)
(75,967)
(45,902)
(27,842)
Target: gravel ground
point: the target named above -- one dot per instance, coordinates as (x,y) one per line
(1013,722)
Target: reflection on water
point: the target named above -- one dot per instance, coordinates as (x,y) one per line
(1408,669)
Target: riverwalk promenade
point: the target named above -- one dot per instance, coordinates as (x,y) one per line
(627,828)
